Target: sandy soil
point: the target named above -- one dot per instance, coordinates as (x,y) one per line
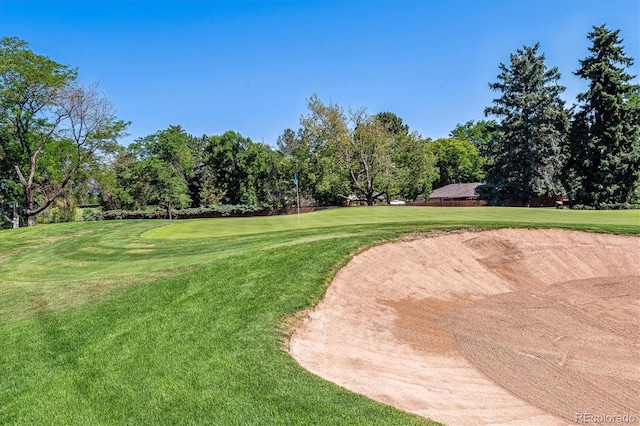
(509,327)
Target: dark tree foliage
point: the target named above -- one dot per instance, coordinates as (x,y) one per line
(243,172)
(532,128)
(223,155)
(174,170)
(200,184)
(294,160)
(393,124)
(163,168)
(604,148)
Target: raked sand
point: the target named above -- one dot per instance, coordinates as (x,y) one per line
(500,327)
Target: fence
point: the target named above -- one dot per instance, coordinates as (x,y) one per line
(453,203)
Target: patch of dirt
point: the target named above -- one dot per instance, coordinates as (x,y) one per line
(512,327)
(98,250)
(139,245)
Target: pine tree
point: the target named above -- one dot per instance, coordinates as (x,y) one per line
(531,131)
(605,136)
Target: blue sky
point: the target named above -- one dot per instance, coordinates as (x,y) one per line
(250,65)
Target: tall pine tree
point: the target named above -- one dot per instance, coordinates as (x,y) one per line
(531,131)
(604,149)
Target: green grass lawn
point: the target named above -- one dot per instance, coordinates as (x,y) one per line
(620,220)
(156,322)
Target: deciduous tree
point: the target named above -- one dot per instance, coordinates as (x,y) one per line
(367,156)
(481,134)
(363,155)
(414,163)
(51,125)
(322,131)
(164,166)
(458,161)
(243,171)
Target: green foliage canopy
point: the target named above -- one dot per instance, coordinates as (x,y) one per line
(50,127)
(369,157)
(481,134)
(458,161)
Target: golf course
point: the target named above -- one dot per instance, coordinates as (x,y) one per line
(189,321)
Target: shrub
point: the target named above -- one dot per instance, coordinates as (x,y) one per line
(606,206)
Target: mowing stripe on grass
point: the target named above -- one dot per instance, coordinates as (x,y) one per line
(190,330)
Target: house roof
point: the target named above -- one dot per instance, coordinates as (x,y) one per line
(456,190)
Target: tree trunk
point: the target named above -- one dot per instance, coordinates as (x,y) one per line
(16,218)
(30,219)
(370,199)
(29,216)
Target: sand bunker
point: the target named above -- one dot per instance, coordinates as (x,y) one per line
(513,327)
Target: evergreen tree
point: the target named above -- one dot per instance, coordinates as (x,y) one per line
(604,146)
(532,128)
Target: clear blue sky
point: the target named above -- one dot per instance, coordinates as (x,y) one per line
(249,66)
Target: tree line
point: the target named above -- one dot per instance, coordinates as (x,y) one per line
(590,152)
(59,146)
(334,157)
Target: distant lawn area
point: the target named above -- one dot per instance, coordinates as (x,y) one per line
(620,220)
(158,322)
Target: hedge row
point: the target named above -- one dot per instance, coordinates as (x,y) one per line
(605,206)
(214,211)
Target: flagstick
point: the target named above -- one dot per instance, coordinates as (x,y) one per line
(298,203)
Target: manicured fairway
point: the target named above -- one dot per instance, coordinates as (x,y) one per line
(150,322)
(622,220)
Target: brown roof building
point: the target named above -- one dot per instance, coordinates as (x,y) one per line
(456,194)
